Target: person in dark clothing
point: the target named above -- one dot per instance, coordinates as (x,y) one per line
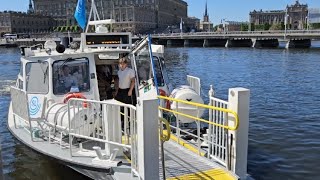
(125,91)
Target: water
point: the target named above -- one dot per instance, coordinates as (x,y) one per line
(284,109)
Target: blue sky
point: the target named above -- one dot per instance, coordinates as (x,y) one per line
(232,10)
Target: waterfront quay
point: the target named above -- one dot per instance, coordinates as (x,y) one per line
(257,39)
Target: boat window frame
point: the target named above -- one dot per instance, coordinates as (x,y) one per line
(84,58)
(27,77)
(158,63)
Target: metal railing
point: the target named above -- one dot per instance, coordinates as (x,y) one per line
(216,137)
(288,32)
(218,141)
(100,121)
(201,106)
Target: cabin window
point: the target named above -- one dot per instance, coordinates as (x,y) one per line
(158,71)
(71,75)
(144,69)
(37,77)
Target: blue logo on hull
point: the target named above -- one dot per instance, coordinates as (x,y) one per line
(34,106)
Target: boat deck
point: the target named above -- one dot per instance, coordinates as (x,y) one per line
(182,163)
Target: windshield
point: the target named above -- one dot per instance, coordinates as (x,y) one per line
(37,78)
(71,75)
(144,69)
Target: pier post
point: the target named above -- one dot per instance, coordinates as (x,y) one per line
(228,43)
(169,42)
(239,100)
(298,43)
(186,43)
(254,42)
(148,138)
(205,43)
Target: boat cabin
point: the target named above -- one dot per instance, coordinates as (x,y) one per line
(91,70)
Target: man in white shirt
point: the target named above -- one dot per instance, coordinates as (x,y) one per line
(125,91)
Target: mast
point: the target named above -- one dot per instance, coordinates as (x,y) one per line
(94,12)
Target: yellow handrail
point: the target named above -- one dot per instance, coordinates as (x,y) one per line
(235,127)
(164,137)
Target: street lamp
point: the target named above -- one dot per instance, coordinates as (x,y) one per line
(224,25)
(307,23)
(285,23)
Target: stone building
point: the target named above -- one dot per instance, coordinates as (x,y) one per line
(296,16)
(20,22)
(136,16)
(206,25)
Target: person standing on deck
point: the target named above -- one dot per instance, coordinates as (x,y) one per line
(125,87)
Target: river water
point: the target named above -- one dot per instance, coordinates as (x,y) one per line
(284,111)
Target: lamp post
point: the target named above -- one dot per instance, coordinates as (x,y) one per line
(224,25)
(285,23)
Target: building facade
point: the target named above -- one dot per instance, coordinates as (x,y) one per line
(19,22)
(205,24)
(296,15)
(136,16)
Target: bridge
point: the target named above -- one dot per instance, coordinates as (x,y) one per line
(258,39)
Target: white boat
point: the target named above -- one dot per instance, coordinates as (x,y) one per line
(56,110)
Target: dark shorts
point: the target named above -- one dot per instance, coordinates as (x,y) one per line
(122,96)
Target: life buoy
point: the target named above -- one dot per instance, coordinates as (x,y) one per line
(75,95)
(167,102)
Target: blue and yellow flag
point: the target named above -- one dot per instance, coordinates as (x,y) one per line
(80,13)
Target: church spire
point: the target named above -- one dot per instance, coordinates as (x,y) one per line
(206,10)
(30,10)
(206,15)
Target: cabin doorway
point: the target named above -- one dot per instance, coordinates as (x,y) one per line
(106,79)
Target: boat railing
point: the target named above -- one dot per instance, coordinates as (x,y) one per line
(107,125)
(226,137)
(21,109)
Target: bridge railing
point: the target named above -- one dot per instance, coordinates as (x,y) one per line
(288,32)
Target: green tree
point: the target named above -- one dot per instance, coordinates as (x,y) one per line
(244,27)
(315,26)
(266,26)
(252,26)
(276,27)
(259,27)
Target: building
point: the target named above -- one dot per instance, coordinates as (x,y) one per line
(296,17)
(205,24)
(236,26)
(136,16)
(20,22)
(314,15)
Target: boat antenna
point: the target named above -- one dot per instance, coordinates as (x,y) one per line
(94,12)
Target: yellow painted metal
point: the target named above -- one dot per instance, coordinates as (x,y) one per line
(235,127)
(165,136)
(212,174)
(184,144)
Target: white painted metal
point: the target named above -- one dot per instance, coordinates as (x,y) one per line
(99,122)
(194,82)
(239,100)
(148,138)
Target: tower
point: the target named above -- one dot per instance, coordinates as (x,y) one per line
(30,10)
(206,15)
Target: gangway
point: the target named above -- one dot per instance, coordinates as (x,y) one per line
(182,163)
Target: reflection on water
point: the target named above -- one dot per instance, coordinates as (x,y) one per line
(284,113)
